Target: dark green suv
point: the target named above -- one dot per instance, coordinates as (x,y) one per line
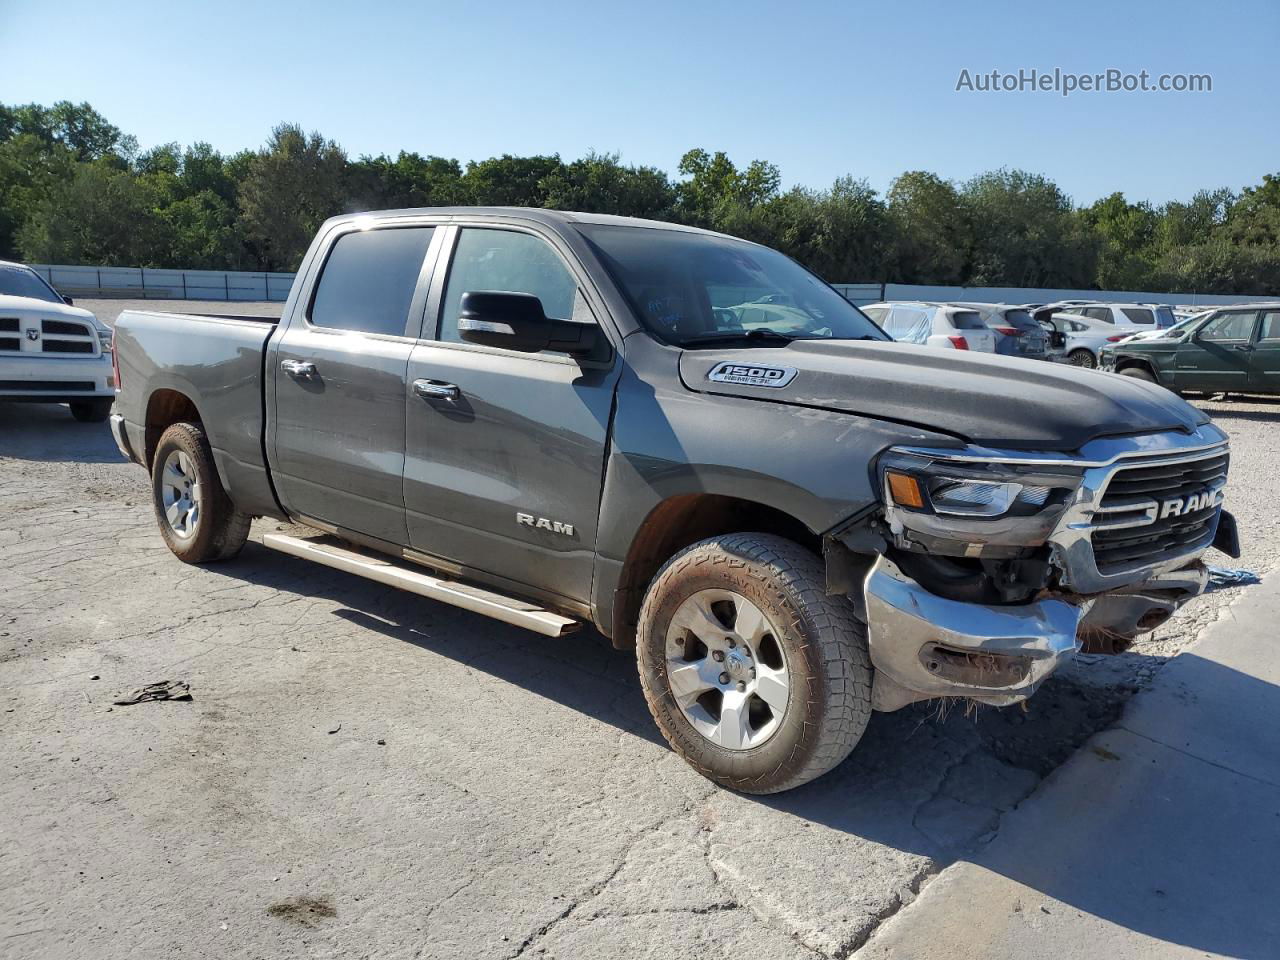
(1232,350)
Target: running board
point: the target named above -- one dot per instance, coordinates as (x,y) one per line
(386,570)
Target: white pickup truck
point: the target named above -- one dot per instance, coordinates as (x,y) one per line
(51,351)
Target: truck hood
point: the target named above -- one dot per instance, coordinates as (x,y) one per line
(989,400)
(30,306)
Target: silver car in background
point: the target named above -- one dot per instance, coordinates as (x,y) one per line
(1017,333)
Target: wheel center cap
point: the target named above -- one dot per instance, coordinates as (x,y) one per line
(737,665)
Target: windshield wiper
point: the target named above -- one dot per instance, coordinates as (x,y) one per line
(770,337)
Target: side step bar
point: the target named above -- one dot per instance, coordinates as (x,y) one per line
(386,570)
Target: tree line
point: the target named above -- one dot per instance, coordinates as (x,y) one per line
(75,189)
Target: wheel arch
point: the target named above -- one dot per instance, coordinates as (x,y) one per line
(165,407)
(679,521)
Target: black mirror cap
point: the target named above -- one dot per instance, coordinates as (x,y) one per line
(68,301)
(516,321)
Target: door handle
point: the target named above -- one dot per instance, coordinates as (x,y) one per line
(298,368)
(1244,347)
(436,390)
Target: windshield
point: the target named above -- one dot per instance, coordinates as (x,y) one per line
(692,287)
(22,282)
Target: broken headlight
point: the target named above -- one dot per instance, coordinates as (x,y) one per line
(965,485)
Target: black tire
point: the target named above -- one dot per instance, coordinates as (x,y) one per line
(1082,358)
(1139,373)
(90,411)
(823,645)
(220,530)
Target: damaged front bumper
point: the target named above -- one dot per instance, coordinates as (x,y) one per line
(925,646)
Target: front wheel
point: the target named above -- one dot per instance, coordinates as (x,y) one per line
(1082,358)
(757,677)
(90,411)
(1139,373)
(197,519)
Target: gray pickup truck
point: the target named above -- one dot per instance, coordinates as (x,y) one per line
(695,445)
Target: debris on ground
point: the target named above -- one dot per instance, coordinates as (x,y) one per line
(336,729)
(1232,577)
(162,690)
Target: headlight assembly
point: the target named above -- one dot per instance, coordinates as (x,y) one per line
(962,488)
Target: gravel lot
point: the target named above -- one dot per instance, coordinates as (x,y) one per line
(363,773)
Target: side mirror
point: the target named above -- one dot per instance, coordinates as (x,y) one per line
(68,301)
(516,321)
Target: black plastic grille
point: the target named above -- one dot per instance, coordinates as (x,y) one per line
(64,326)
(68,346)
(8,324)
(49,386)
(10,343)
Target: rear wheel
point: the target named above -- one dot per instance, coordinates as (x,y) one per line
(755,676)
(196,517)
(1082,358)
(90,411)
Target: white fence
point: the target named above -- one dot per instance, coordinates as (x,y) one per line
(146,283)
(864,293)
(150,284)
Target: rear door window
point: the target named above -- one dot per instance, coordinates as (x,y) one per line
(967,320)
(1270,325)
(1097,313)
(1138,315)
(1165,318)
(877,314)
(369,280)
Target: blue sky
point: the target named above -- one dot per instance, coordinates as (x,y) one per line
(822,89)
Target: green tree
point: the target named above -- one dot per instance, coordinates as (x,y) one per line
(1025,233)
(30,170)
(599,183)
(717,192)
(292,186)
(509,181)
(410,180)
(1127,235)
(930,237)
(101,215)
(76,126)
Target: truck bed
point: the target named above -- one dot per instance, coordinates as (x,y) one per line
(217,362)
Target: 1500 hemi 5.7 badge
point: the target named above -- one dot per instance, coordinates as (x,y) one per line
(749,375)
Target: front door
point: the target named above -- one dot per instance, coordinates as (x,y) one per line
(506,450)
(1216,357)
(1264,370)
(340,390)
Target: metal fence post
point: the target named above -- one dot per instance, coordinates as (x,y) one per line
(142,275)
(184,285)
(226,283)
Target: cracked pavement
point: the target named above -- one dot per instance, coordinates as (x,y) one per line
(487,792)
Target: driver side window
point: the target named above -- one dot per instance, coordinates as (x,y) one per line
(1237,325)
(511,262)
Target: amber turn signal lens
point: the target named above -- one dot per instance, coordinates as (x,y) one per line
(905,490)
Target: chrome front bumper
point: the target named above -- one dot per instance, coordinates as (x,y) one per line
(925,646)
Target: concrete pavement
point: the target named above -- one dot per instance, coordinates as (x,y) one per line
(1159,838)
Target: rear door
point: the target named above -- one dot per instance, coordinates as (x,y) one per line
(506,450)
(1264,362)
(1216,357)
(340,388)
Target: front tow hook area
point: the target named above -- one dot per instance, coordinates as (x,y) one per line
(925,646)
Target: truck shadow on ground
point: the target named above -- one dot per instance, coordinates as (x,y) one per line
(924,780)
(47,432)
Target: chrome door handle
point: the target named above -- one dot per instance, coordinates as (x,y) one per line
(436,390)
(298,368)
